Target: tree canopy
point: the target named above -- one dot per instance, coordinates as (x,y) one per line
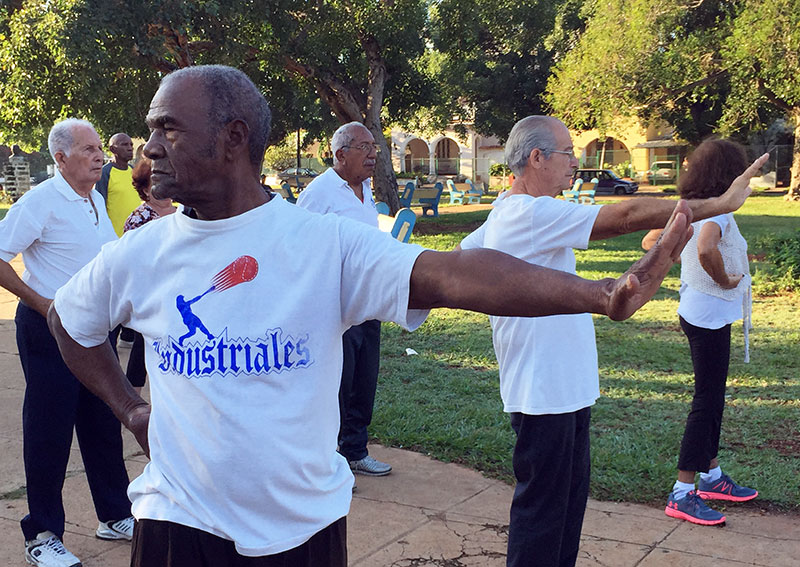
(703,66)
(103,60)
(497,56)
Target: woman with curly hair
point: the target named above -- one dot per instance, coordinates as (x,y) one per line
(715,292)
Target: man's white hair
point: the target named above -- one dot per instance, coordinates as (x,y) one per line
(526,135)
(61,139)
(344,137)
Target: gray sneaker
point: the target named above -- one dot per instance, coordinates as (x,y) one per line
(121,529)
(370,467)
(48,551)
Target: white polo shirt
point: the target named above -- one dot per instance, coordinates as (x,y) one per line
(57,231)
(329,193)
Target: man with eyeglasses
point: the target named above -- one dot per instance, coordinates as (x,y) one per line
(344,190)
(59,226)
(548,366)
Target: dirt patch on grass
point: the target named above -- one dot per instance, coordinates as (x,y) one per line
(786,443)
(428,228)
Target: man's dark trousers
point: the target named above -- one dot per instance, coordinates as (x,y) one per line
(361,347)
(55,402)
(552,467)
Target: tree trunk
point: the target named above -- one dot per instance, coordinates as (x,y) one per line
(348,105)
(794,186)
(384,181)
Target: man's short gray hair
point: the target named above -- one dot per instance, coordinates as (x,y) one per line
(61,139)
(344,137)
(526,135)
(232,96)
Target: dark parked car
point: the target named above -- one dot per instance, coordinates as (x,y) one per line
(608,181)
(297,176)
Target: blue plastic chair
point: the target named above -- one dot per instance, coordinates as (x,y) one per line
(383,208)
(456,196)
(570,195)
(404,222)
(432,203)
(408,194)
(285,191)
(473,195)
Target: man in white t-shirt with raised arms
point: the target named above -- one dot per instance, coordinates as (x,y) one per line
(245,303)
(547,385)
(344,190)
(58,227)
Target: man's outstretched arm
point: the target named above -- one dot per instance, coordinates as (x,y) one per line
(99,370)
(495,283)
(643,213)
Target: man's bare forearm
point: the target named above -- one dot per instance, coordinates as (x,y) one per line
(646,213)
(14,284)
(643,213)
(495,283)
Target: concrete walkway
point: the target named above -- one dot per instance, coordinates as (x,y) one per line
(425,513)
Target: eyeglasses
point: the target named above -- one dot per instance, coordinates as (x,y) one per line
(365,147)
(570,153)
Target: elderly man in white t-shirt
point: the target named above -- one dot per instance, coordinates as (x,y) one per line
(344,190)
(59,226)
(244,421)
(547,387)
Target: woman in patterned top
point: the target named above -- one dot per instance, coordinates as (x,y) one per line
(151,208)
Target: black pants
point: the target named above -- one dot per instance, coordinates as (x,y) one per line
(135,371)
(711,352)
(165,544)
(361,347)
(552,467)
(55,403)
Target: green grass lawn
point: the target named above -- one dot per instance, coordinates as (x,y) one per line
(445,401)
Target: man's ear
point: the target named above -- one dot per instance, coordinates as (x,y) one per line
(536,158)
(237,136)
(60,156)
(339,155)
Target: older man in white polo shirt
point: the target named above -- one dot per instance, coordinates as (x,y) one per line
(344,189)
(59,226)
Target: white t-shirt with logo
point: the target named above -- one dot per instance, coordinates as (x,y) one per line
(548,365)
(243,320)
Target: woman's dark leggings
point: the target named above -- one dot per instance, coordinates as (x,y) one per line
(711,350)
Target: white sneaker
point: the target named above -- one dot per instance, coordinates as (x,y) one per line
(121,529)
(48,551)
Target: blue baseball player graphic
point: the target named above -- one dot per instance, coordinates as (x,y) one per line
(242,269)
(191,320)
